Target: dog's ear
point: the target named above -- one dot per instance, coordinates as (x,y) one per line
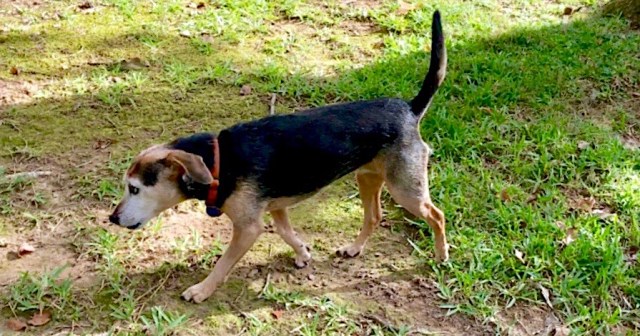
(192,165)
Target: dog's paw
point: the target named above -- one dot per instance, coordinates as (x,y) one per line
(442,254)
(349,251)
(303,259)
(197,293)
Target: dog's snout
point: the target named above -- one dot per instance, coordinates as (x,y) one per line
(114,218)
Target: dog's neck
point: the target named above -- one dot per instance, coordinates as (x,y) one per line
(200,144)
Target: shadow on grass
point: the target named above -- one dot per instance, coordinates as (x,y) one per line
(509,117)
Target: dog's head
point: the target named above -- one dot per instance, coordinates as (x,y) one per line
(153,184)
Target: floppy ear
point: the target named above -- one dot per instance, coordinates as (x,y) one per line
(192,164)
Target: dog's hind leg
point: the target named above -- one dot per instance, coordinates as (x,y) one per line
(283,228)
(407,182)
(370,186)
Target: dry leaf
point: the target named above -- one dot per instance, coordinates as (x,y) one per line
(207,38)
(570,236)
(405,8)
(16,325)
(185,33)
(245,90)
(25,249)
(201,5)
(582,145)
(85,5)
(630,143)
(14,71)
(546,295)
(101,144)
(135,63)
(603,213)
(561,331)
(277,314)
(586,204)
(39,319)
(561,225)
(632,254)
(504,195)
(519,255)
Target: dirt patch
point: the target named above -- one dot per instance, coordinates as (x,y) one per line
(521,320)
(13,92)
(46,258)
(358,28)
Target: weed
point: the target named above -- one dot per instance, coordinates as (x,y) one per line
(160,322)
(37,293)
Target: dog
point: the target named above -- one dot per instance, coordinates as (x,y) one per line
(270,164)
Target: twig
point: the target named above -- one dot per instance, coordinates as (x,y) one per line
(243,314)
(153,291)
(114,125)
(381,321)
(266,284)
(12,124)
(239,295)
(272,104)
(32,174)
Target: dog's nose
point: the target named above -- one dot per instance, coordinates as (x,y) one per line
(114,219)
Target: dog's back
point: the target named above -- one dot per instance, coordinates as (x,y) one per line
(296,154)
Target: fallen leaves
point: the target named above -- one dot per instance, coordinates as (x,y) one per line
(14,71)
(570,236)
(504,195)
(632,254)
(185,33)
(582,145)
(16,325)
(560,331)
(519,255)
(546,295)
(198,5)
(135,63)
(570,233)
(586,204)
(40,319)
(85,5)
(277,314)
(245,90)
(25,249)
(207,38)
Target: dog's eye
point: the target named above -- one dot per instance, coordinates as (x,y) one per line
(133,190)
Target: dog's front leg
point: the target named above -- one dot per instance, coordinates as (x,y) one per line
(244,235)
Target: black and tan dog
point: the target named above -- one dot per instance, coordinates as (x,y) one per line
(275,162)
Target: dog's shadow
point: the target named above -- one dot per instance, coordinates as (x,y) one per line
(251,287)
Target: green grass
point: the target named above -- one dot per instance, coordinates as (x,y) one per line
(526,127)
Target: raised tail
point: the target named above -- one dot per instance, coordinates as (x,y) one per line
(437,68)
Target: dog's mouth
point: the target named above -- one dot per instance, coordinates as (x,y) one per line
(133,227)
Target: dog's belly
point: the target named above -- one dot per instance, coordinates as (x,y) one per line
(285,202)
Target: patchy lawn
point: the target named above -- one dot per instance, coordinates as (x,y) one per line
(537,166)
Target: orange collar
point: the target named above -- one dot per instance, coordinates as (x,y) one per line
(212,210)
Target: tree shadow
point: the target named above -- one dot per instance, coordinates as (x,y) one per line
(527,75)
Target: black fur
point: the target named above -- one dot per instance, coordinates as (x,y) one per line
(150,173)
(437,67)
(300,153)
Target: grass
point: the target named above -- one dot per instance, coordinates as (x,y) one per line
(531,131)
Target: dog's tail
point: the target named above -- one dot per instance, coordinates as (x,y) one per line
(437,68)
